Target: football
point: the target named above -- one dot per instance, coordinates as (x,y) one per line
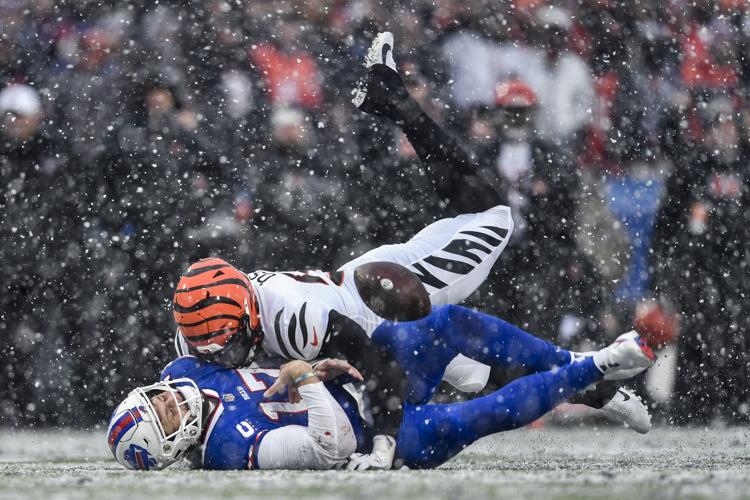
(392,291)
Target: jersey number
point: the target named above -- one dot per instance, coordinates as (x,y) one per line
(252,382)
(245,429)
(271,409)
(337,277)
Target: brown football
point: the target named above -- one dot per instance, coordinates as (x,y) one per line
(392,291)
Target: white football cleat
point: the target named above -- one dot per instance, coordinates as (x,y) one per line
(625,358)
(381,89)
(627,408)
(381,51)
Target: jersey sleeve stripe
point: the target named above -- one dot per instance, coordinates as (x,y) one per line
(279,338)
(292,334)
(252,462)
(453,266)
(484,237)
(500,231)
(465,248)
(303,324)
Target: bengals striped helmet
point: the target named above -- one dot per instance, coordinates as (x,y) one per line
(217,313)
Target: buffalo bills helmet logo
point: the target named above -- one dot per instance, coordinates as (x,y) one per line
(139,458)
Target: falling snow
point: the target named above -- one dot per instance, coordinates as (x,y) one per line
(137,137)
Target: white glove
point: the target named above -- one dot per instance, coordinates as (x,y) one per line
(383,450)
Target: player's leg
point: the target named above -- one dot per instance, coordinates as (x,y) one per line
(495,342)
(508,350)
(419,352)
(431,434)
(436,347)
(383,93)
(452,257)
(424,348)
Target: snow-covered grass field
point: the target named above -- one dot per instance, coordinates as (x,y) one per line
(601,462)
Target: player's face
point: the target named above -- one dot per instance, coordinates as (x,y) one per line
(169,411)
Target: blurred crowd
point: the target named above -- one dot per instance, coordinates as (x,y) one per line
(138,136)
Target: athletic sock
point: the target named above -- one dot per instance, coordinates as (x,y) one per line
(430,141)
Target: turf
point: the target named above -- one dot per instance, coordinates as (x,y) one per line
(571,463)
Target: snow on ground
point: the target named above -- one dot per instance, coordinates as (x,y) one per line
(601,462)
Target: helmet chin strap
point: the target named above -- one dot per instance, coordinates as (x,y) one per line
(251,354)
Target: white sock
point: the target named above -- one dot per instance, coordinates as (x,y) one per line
(600,359)
(580,356)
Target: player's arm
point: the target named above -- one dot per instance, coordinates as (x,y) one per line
(298,327)
(327,440)
(311,329)
(386,383)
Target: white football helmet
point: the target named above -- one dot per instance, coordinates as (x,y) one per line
(136,436)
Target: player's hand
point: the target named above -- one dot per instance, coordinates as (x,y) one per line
(360,461)
(383,451)
(331,368)
(285,380)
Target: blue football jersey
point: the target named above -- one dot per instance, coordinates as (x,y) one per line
(241,415)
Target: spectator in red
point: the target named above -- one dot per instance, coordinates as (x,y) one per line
(709,50)
(291,74)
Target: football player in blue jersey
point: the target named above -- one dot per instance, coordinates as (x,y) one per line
(243,419)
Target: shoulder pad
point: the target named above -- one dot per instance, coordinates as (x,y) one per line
(181,367)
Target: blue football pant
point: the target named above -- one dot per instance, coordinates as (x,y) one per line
(431,434)
(424,347)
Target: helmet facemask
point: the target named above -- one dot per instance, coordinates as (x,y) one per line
(240,349)
(136,435)
(172,447)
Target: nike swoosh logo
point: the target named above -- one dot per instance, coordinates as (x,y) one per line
(315,338)
(386,48)
(624,394)
(603,367)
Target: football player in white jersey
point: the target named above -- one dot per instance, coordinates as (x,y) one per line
(224,315)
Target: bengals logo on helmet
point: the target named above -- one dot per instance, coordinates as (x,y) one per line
(213,302)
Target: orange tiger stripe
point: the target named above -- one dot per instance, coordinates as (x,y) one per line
(209,302)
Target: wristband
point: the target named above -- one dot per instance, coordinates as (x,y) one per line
(303,377)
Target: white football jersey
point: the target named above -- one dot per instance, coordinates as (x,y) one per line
(295,306)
